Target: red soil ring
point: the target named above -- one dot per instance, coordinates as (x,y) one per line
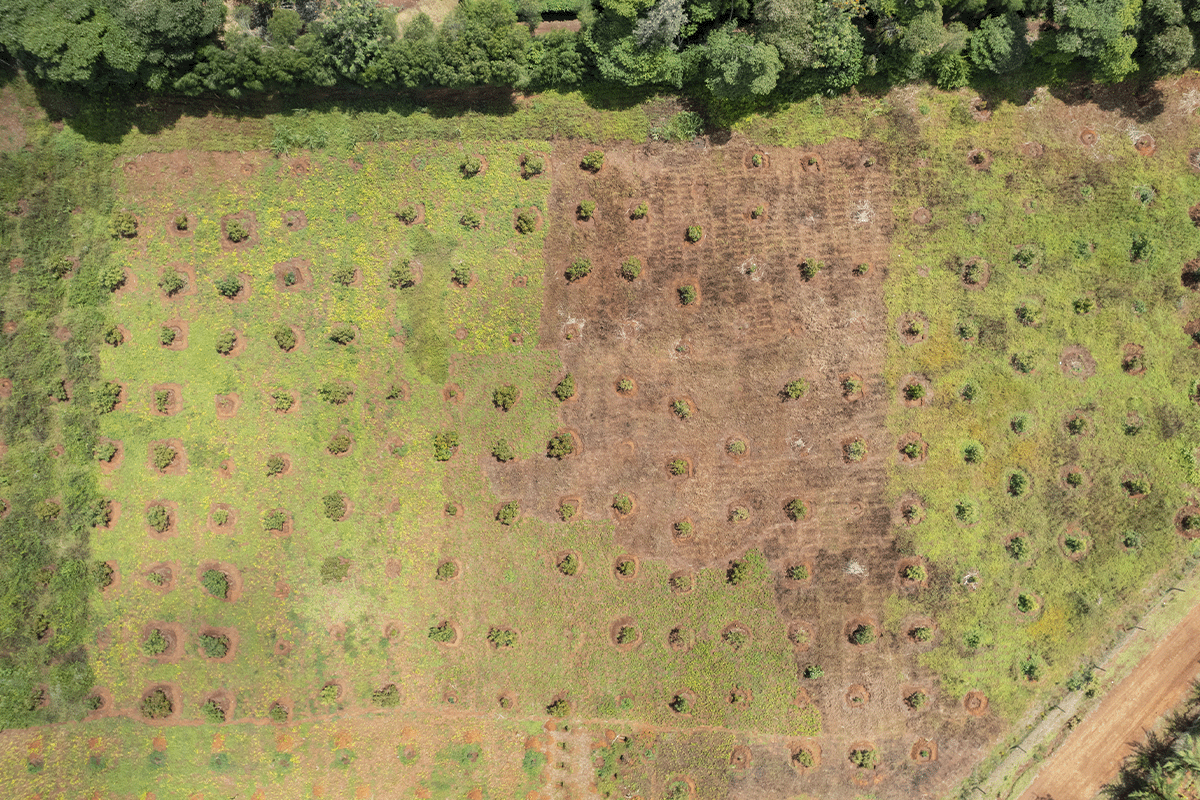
(740,758)
(922,216)
(1074,529)
(14,266)
(231,574)
(174,405)
(251,222)
(856,696)
(1145,145)
(907,439)
(615,628)
(1032,149)
(108,467)
(227,405)
(173,513)
(814,750)
(923,751)
(1088,137)
(1194,215)
(168,570)
(6,388)
(801,635)
(1077,362)
(975,703)
(979,160)
(903,323)
(173,633)
(452,393)
(180,342)
(178,466)
(686,576)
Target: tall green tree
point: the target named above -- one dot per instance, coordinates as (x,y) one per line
(738,64)
(1099,33)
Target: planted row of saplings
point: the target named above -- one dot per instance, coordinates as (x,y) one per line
(162,518)
(159,704)
(161,642)
(632,267)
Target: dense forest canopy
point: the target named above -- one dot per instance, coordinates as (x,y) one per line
(729,50)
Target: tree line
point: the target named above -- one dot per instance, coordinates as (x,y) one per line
(733,51)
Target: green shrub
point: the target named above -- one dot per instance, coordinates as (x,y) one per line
(1031,668)
(814,671)
(447,570)
(214,646)
(758,212)
(508,512)
(340,443)
(162,401)
(402,276)
(289,278)
(736,638)
(172,283)
(158,518)
(561,445)
(330,692)
(1025,603)
(1026,256)
(1018,548)
(155,643)
(739,514)
(966,512)
(683,528)
(470,166)
(681,409)
(1019,424)
(164,456)
(626,567)
(471,220)
(285,337)
(864,758)
(1140,248)
(105,397)
(737,572)
(282,401)
(1028,315)
(275,465)
(229,286)
(914,391)
(694,233)
(593,161)
(566,511)
(1022,362)
(531,166)
(625,386)
(334,506)
(220,517)
(579,269)
(113,336)
(386,697)
(1083,305)
(915,573)
(156,705)
(916,700)
(123,225)
(502,451)
(1074,478)
(687,294)
(585,210)
(640,211)
(111,277)
(737,447)
(856,450)
(809,268)
(501,638)
(631,268)
(334,393)
(565,389)
(442,632)
(444,445)
(1018,484)
(795,509)
(797,572)
(862,634)
(341,334)
(967,330)
(104,574)
(568,565)
(166,336)
(972,273)
(627,634)
(1074,544)
(972,453)
(911,450)
(277,713)
(969,392)
(803,758)
(1131,540)
(559,708)
(677,467)
(1137,485)
(851,387)
(408,214)
(226,342)
(921,633)
(794,390)
(215,583)
(236,230)
(623,503)
(526,222)
(504,397)
(212,712)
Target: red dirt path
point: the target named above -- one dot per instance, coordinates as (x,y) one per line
(1092,754)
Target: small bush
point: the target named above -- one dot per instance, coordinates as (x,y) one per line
(814,671)
(795,509)
(386,697)
(215,583)
(277,713)
(447,570)
(677,467)
(1133,362)
(966,512)
(681,409)
(694,233)
(797,572)
(1022,362)
(212,712)
(756,159)
(1025,603)
(736,638)
(794,390)
(973,273)
(1018,548)
(739,514)
(236,230)
(1074,544)
(344,274)
(228,286)
(1028,315)
(623,503)
(736,448)
(1131,540)
(585,210)
(855,450)
(967,330)
(502,451)
(155,644)
(442,632)
(444,445)
(402,275)
(1019,424)
(226,342)
(683,529)
(687,294)
(166,336)
(864,759)
(851,387)
(565,389)
(471,220)
(220,517)
(640,211)
(113,336)
(285,337)
(104,574)
(105,397)
(1083,305)
(631,268)
(531,166)
(626,567)
(862,634)
(341,334)
(275,465)
(164,456)
(1018,484)
(809,268)
(330,692)
(501,638)
(915,573)
(559,708)
(627,634)
(158,518)
(680,704)
(470,166)
(758,212)
(972,453)
(334,506)
(504,397)
(214,646)
(289,278)
(1074,479)
(111,277)
(282,401)
(1026,256)
(561,445)
(1031,668)
(407,215)
(593,161)
(911,450)
(568,565)
(914,391)
(737,572)
(916,700)
(162,400)
(625,386)
(921,634)
(1140,247)
(508,512)
(156,705)
(526,222)
(334,393)
(566,511)
(123,225)
(579,269)
(172,283)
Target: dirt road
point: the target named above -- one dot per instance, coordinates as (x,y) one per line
(1092,754)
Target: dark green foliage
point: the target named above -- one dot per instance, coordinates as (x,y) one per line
(285,337)
(914,391)
(1018,548)
(531,166)
(335,393)
(1022,362)
(561,445)
(855,450)
(1031,668)
(156,705)
(640,211)
(915,573)
(851,387)
(340,443)
(104,575)
(967,330)
(1140,248)
(123,225)
(155,644)
(447,570)
(631,268)
(277,713)
(739,514)
(386,697)
(1076,426)
(164,456)
(212,712)
(1137,486)
(586,210)
(864,758)
(568,565)
(683,529)
(1074,544)
(275,465)
(559,708)
(181,222)
(282,401)
(158,518)
(471,220)
(226,342)
(526,222)
(1019,424)
(625,386)
(162,400)
(172,283)
(809,268)
(916,700)
(445,444)
(681,409)
(344,274)
(111,277)
(969,392)
(814,671)
(1083,305)
(334,506)
(694,233)
(442,632)
(795,509)
(214,646)
(736,638)
(504,397)
(911,450)
(501,638)
(508,513)
(803,758)
(972,453)
(687,294)
(580,268)
(627,634)
(334,569)
(565,389)
(236,230)
(677,467)
(862,634)
(503,451)
(215,583)
(58,391)
(229,286)
(921,634)
(624,504)
(113,336)
(737,572)
(470,166)
(1028,315)
(794,390)
(966,511)
(166,336)
(341,334)
(626,567)
(797,572)
(105,397)
(593,161)
(47,510)
(1074,478)
(402,276)
(1026,603)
